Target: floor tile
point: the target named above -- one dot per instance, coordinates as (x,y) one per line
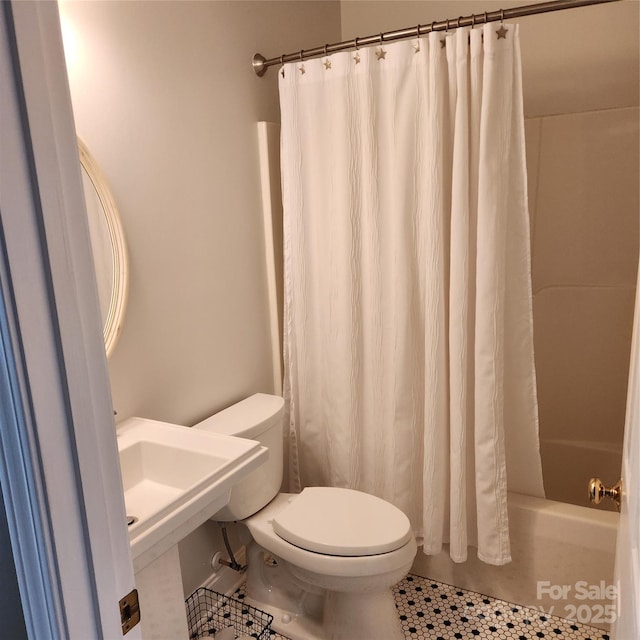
(431,610)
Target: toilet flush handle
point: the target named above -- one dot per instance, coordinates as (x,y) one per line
(597,491)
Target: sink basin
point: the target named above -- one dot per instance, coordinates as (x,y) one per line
(175,478)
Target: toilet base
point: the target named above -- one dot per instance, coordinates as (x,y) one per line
(303,612)
(346,617)
(375,621)
(293,626)
(361,615)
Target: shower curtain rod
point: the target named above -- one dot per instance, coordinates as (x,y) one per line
(261,64)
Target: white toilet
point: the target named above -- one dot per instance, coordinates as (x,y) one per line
(322,562)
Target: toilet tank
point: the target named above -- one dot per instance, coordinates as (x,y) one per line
(259,417)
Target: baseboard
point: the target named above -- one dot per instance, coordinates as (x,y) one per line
(226,580)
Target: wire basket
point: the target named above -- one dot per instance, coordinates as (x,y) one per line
(210,612)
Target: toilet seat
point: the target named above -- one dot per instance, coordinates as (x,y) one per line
(342,522)
(260,526)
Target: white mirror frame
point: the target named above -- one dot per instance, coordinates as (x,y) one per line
(112,324)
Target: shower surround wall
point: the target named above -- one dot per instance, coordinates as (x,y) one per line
(583,194)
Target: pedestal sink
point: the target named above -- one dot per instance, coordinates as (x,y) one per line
(175,478)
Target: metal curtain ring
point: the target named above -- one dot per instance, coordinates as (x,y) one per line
(380,39)
(282,59)
(501,15)
(473,20)
(418,31)
(458,22)
(446,27)
(325,49)
(433,26)
(356,41)
(301,51)
(486,17)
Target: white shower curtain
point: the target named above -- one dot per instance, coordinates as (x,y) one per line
(409,366)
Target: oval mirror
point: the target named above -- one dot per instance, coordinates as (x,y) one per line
(108,246)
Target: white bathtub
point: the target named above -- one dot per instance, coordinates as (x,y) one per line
(560,553)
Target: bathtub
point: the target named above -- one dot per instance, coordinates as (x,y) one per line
(562,561)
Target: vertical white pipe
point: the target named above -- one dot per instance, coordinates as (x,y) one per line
(269,155)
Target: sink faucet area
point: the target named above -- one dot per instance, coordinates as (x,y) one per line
(175,478)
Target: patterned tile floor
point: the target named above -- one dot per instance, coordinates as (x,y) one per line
(431,610)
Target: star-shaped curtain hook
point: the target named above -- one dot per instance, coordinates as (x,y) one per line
(381,54)
(416,45)
(327,62)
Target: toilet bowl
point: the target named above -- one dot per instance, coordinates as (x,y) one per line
(322,562)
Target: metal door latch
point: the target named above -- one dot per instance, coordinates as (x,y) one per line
(129,611)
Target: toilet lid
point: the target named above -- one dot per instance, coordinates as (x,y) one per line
(342,522)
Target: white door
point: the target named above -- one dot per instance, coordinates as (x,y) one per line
(59,477)
(627,571)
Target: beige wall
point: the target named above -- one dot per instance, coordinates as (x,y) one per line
(575,60)
(167,102)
